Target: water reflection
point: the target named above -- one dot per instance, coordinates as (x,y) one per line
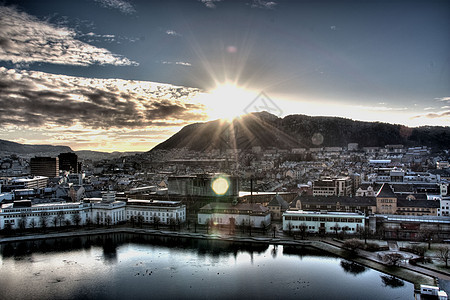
(392,281)
(352,267)
(136,266)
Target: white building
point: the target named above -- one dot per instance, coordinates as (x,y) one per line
(34,215)
(227,214)
(322,222)
(444,210)
(103,211)
(35,182)
(151,209)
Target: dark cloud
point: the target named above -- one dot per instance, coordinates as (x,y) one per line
(93,103)
(25,39)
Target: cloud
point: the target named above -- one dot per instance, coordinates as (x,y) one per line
(32,99)
(263,4)
(24,39)
(443,99)
(381,108)
(444,114)
(182,63)
(123,6)
(210,3)
(172,32)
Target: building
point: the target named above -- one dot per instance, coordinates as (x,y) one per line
(68,162)
(339,186)
(322,222)
(445,207)
(203,185)
(227,214)
(44,166)
(412,204)
(108,211)
(277,206)
(365,190)
(352,146)
(410,227)
(101,211)
(386,200)
(36,182)
(366,205)
(23,214)
(442,165)
(156,211)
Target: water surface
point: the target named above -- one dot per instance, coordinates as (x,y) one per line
(118,266)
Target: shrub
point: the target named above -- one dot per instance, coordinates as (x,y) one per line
(353,244)
(372,247)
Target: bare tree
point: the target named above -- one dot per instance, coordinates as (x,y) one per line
(23,222)
(108,221)
(289,224)
(60,217)
(55,221)
(88,221)
(336,229)
(76,219)
(364,233)
(140,220)
(427,236)
(43,220)
(444,254)
(156,221)
(207,225)
(32,223)
(263,227)
(302,228)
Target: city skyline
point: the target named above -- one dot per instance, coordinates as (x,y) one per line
(113,75)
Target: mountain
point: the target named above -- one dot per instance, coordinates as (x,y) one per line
(97,155)
(21,149)
(8,148)
(267,130)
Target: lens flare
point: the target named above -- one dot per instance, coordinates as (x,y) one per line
(220,186)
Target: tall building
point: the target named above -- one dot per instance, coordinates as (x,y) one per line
(68,162)
(338,186)
(44,166)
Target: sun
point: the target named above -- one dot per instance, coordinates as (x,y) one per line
(227,101)
(220,186)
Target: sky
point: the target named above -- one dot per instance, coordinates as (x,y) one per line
(124,75)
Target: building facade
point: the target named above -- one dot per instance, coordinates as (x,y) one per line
(322,222)
(162,212)
(44,166)
(227,214)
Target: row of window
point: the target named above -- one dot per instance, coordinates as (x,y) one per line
(38,215)
(330,206)
(413,209)
(387,201)
(42,208)
(323,219)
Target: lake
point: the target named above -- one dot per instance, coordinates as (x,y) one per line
(132,266)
